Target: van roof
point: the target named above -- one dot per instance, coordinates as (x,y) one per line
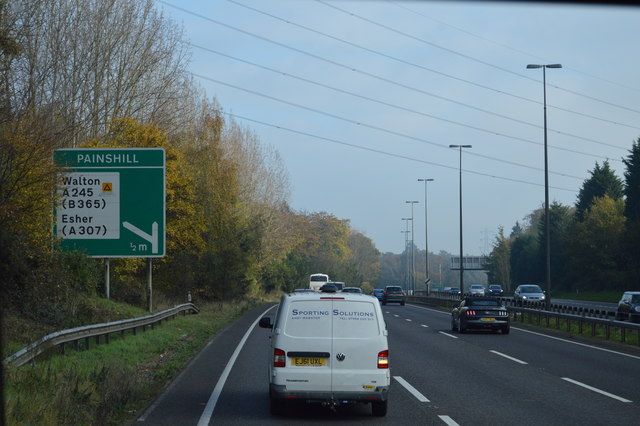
(323,296)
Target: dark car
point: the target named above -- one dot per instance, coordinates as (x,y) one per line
(377,293)
(453,290)
(393,294)
(629,306)
(495,290)
(352,290)
(480,313)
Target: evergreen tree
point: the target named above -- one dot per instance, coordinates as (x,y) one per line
(632,183)
(632,213)
(603,181)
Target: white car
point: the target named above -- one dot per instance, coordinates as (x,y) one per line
(329,348)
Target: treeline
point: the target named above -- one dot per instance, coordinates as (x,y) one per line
(595,244)
(113,73)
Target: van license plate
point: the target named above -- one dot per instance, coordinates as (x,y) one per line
(309,362)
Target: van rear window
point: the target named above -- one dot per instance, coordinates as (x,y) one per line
(309,318)
(354,319)
(327,318)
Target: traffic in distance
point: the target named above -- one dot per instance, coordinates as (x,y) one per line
(329,347)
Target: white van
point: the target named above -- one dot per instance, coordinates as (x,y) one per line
(329,348)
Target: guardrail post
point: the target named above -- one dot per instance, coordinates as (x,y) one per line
(62,348)
(623,332)
(87,344)
(106,338)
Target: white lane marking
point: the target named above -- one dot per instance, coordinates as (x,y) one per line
(544,335)
(577,343)
(448,335)
(424,325)
(205,418)
(396,316)
(413,391)
(448,420)
(508,357)
(407,319)
(591,388)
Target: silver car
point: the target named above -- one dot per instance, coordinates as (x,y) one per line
(476,290)
(528,293)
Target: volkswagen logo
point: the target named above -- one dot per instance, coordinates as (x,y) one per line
(340,356)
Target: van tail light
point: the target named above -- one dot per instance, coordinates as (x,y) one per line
(383,359)
(279,358)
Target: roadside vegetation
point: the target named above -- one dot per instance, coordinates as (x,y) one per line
(120,80)
(110,384)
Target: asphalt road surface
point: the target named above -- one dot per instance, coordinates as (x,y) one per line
(440,377)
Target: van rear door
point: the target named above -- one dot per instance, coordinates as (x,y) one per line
(358,341)
(306,339)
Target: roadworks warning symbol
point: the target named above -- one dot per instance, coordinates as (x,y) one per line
(107,187)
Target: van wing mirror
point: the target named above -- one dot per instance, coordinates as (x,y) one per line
(265,322)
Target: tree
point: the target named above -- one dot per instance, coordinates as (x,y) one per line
(123,58)
(632,213)
(594,247)
(500,261)
(602,182)
(560,219)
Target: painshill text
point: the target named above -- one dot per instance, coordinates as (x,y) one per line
(107,159)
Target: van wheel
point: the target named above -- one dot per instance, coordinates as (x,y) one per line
(379,408)
(277,406)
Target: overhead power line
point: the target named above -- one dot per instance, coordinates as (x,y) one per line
(377,128)
(513,49)
(389,154)
(463,55)
(399,107)
(386,80)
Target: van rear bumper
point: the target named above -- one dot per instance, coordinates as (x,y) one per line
(280,392)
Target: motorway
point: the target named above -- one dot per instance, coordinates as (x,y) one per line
(529,377)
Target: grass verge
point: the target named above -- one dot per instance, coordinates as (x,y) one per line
(111,383)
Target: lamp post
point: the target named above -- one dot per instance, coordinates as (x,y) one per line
(547,233)
(427,277)
(413,260)
(406,245)
(461,249)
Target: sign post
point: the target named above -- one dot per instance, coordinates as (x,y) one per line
(112,202)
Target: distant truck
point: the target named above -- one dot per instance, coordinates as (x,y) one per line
(318,280)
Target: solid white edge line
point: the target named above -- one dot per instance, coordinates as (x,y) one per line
(591,388)
(448,335)
(508,357)
(205,418)
(448,420)
(413,391)
(577,343)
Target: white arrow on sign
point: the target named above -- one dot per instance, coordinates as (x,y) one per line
(153,238)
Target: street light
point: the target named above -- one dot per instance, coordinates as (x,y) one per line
(461,249)
(547,233)
(413,259)
(406,245)
(427,278)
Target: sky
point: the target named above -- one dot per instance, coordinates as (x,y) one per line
(363,98)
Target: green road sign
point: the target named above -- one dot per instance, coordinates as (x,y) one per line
(112,201)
